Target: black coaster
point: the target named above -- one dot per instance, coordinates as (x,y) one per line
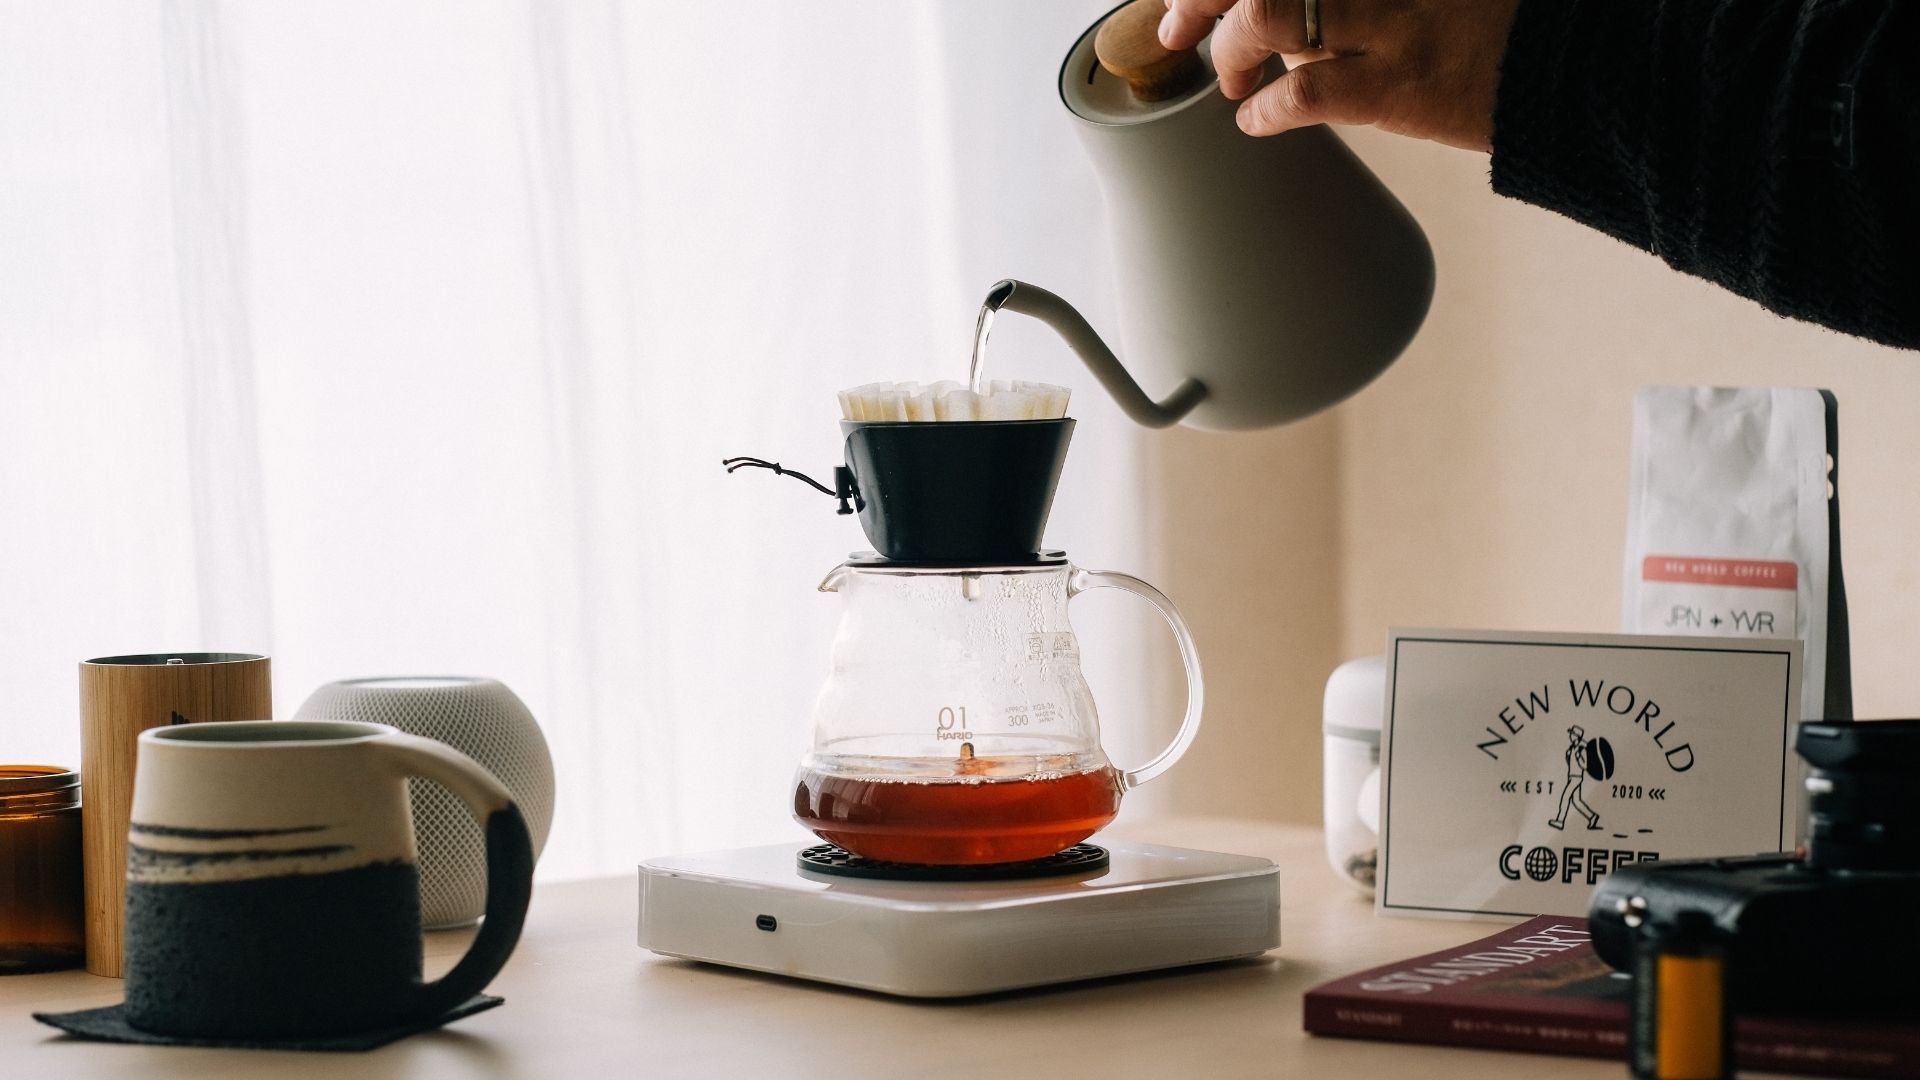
(835,860)
(109,1025)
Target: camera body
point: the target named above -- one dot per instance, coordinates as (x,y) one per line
(1799,937)
(1835,927)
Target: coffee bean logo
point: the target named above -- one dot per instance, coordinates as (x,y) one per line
(1599,759)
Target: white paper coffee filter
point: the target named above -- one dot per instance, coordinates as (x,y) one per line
(947,400)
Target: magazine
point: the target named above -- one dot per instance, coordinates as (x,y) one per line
(1540,987)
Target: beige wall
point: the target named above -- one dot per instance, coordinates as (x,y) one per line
(1482,481)
(1250,553)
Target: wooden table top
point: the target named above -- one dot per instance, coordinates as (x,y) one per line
(584,1001)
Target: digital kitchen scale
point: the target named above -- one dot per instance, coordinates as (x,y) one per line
(818,913)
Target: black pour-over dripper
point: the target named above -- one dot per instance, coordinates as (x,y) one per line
(962,492)
(967,492)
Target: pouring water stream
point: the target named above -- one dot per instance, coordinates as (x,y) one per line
(982,326)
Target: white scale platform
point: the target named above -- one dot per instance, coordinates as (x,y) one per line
(1153,907)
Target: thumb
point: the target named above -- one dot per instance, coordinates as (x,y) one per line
(1341,90)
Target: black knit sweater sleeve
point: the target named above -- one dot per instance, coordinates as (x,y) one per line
(1769,146)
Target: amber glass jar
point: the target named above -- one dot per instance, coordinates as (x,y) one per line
(41,908)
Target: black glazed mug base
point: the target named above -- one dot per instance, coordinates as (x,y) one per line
(294,955)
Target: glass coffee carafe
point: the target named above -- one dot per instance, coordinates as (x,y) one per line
(956,727)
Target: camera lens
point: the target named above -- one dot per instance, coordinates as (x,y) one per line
(1864,794)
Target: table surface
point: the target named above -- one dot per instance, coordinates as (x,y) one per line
(583,1001)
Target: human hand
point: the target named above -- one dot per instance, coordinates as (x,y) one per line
(1425,68)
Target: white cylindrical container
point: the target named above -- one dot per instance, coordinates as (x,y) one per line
(1352,715)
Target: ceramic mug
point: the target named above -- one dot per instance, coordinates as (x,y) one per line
(273,888)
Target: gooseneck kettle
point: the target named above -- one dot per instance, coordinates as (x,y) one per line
(1261,280)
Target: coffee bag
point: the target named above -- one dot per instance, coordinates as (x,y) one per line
(1733,528)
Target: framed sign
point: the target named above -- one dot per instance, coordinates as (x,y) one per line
(1517,769)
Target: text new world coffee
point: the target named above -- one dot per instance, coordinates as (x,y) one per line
(1520,769)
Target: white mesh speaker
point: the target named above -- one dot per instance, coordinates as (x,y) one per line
(482,719)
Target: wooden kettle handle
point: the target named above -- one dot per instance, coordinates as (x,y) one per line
(1128,45)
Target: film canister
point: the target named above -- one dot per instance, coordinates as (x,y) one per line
(1682,1026)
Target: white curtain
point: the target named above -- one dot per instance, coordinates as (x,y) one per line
(407,338)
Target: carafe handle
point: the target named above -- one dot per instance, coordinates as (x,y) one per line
(1082,580)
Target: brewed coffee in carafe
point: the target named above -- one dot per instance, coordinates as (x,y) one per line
(956,726)
(958,818)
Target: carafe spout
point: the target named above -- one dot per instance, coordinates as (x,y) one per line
(1073,328)
(831,583)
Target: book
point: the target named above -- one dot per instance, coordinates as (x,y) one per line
(1540,987)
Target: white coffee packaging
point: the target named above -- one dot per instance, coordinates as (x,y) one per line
(1733,528)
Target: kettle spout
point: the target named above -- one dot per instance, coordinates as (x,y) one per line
(1010,295)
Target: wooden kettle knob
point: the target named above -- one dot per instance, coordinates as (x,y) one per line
(1128,45)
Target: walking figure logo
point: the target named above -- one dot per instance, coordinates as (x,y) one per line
(1584,759)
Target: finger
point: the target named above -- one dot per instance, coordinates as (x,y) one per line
(1252,31)
(1343,90)
(1187,21)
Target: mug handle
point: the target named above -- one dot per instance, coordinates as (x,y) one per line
(1082,580)
(509,862)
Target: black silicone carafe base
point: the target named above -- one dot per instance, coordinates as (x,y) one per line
(837,861)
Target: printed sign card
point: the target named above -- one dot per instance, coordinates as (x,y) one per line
(1518,769)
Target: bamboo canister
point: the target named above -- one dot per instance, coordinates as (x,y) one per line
(120,697)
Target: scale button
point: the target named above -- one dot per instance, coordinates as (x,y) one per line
(766,922)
